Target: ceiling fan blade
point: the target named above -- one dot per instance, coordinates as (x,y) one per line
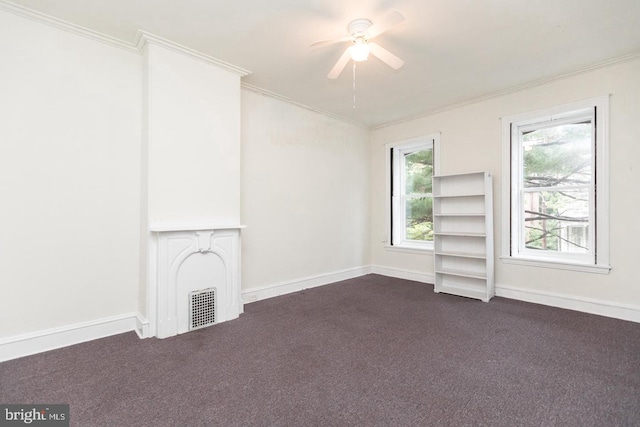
(328,42)
(390,21)
(342,62)
(385,56)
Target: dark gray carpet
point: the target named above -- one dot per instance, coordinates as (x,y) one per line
(372,351)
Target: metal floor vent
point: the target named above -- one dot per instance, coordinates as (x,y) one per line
(202,310)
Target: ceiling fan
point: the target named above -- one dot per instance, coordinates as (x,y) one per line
(361,31)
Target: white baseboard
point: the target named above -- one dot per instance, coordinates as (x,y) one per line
(416,276)
(570,302)
(142,326)
(282,288)
(50,339)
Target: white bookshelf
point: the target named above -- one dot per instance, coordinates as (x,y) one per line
(463,235)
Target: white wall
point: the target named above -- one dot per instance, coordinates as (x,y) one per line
(97,140)
(192,112)
(305,195)
(69,173)
(471,141)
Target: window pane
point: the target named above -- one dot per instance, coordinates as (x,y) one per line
(557,220)
(558,156)
(418,169)
(419,219)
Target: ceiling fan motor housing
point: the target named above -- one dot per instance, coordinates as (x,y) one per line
(357,28)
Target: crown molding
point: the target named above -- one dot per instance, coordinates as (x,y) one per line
(141,40)
(270,94)
(518,88)
(279,97)
(144,38)
(64,25)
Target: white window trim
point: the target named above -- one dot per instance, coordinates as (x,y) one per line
(602,176)
(405,246)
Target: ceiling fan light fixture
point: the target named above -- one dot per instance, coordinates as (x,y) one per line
(360,50)
(361,31)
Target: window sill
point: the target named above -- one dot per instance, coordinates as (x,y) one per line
(598,269)
(409,249)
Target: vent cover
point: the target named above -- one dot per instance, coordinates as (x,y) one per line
(202,308)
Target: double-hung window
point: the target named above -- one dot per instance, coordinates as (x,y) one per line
(410,166)
(556,187)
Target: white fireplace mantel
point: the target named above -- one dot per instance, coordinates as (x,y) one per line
(186,256)
(159,225)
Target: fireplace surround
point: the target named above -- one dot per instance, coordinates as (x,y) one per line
(187,257)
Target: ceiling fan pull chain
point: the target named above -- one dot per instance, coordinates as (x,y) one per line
(354,85)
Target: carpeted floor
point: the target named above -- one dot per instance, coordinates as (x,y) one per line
(371,351)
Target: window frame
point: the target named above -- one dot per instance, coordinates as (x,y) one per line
(394,237)
(512,158)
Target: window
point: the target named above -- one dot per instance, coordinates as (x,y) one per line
(411,166)
(557,183)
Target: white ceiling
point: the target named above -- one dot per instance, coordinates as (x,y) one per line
(454,50)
